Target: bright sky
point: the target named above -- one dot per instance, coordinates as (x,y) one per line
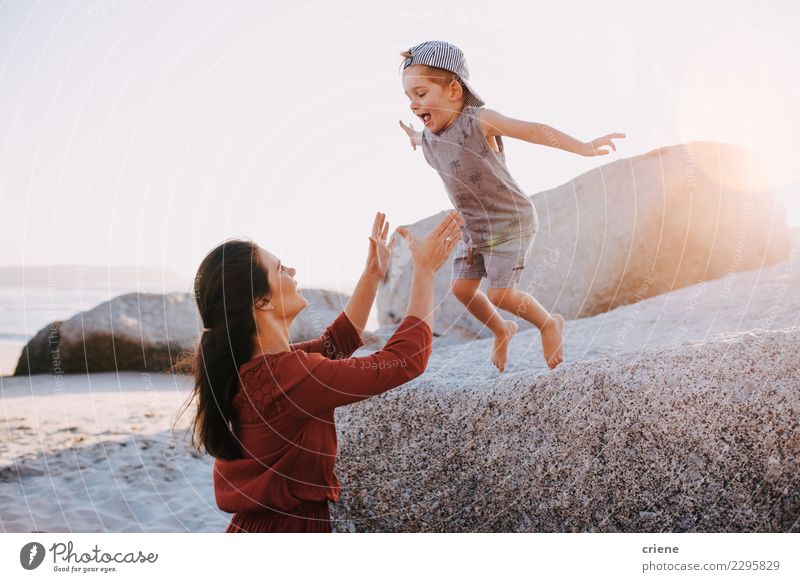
(147,132)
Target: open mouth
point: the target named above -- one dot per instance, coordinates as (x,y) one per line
(425,117)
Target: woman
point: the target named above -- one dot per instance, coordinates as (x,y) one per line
(265,406)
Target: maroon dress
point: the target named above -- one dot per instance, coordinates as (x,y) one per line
(285,402)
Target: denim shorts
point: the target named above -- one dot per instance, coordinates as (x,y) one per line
(502,264)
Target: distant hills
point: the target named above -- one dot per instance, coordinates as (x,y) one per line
(93,276)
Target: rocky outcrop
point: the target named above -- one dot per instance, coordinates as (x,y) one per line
(41,355)
(629,230)
(703,437)
(677,413)
(147,331)
(136,331)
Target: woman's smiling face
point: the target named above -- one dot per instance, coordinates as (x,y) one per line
(435,105)
(284,296)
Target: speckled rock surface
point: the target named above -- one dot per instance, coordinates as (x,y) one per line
(677,413)
(629,230)
(701,437)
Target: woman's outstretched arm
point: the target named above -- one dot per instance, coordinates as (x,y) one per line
(360,304)
(428,254)
(331,383)
(328,383)
(339,340)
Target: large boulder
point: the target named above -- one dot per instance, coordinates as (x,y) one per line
(41,355)
(626,231)
(146,331)
(702,437)
(679,412)
(136,331)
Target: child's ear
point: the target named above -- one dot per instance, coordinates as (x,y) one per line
(456,91)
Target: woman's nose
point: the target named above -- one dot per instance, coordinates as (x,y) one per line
(292,271)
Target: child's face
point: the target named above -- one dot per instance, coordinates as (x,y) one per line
(433,104)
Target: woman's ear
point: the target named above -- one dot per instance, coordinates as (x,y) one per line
(263,303)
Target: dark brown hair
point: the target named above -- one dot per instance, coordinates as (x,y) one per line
(229,281)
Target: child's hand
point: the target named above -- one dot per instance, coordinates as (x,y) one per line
(412,134)
(593,148)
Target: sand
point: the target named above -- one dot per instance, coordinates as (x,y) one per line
(95,453)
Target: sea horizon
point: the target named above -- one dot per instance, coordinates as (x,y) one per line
(59,292)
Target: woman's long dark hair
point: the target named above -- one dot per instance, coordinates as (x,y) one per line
(229,281)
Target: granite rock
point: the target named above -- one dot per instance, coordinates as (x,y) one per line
(135,331)
(40,355)
(148,331)
(626,231)
(702,437)
(680,412)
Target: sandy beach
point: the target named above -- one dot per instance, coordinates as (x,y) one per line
(95,453)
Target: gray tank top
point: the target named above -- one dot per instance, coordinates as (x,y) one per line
(476,178)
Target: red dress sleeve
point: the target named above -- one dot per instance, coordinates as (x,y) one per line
(325,384)
(338,341)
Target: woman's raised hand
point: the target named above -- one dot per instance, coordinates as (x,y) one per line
(431,251)
(379,251)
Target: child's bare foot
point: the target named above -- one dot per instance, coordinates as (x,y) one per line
(552,340)
(500,348)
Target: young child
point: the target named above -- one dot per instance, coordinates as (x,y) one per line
(463,142)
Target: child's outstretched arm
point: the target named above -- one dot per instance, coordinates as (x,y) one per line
(413,135)
(494,123)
